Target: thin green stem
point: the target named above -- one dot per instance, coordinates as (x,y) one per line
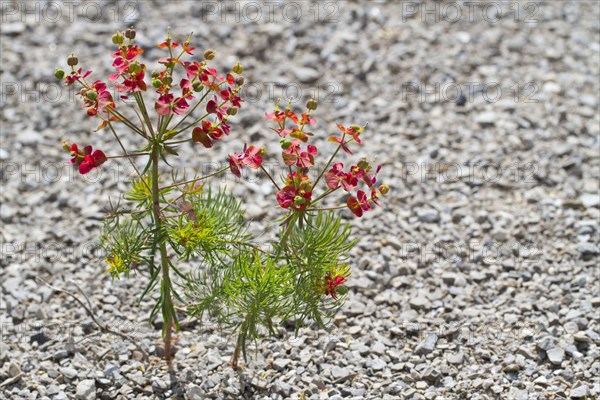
(330,160)
(126,121)
(166,285)
(270,177)
(142,105)
(192,110)
(195,180)
(326,193)
(127,154)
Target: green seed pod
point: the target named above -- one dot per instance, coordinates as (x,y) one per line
(59,73)
(312,104)
(117,38)
(155,73)
(239,80)
(209,54)
(91,94)
(197,86)
(363,164)
(384,189)
(156,83)
(72,60)
(232,111)
(167,80)
(237,68)
(130,33)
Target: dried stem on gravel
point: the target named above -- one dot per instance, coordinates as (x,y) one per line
(88,310)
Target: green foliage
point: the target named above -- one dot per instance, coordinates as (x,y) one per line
(319,246)
(213,227)
(124,244)
(252,290)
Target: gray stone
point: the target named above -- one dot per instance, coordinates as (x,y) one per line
(455,358)
(590,199)
(580,392)
(307,75)
(68,372)
(86,390)
(427,345)
(556,355)
(281,364)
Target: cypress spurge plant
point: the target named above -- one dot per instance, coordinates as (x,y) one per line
(166,219)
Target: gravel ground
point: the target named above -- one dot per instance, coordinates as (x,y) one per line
(477,279)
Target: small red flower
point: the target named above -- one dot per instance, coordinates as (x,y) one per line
(86,159)
(332,283)
(277,116)
(76,76)
(336,177)
(97,98)
(251,157)
(359,203)
(168,43)
(293,154)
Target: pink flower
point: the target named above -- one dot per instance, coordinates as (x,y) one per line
(293,154)
(332,283)
(251,157)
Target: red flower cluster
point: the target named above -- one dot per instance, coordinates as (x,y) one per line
(336,177)
(298,189)
(86,158)
(128,68)
(297,192)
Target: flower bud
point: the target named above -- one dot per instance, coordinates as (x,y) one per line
(59,73)
(135,67)
(197,86)
(363,164)
(156,83)
(239,80)
(384,189)
(285,144)
(167,80)
(262,151)
(118,38)
(299,200)
(91,94)
(72,60)
(155,73)
(232,111)
(312,104)
(130,33)
(357,128)
(209,54)
(83,92)
(238,69)
(66,146)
